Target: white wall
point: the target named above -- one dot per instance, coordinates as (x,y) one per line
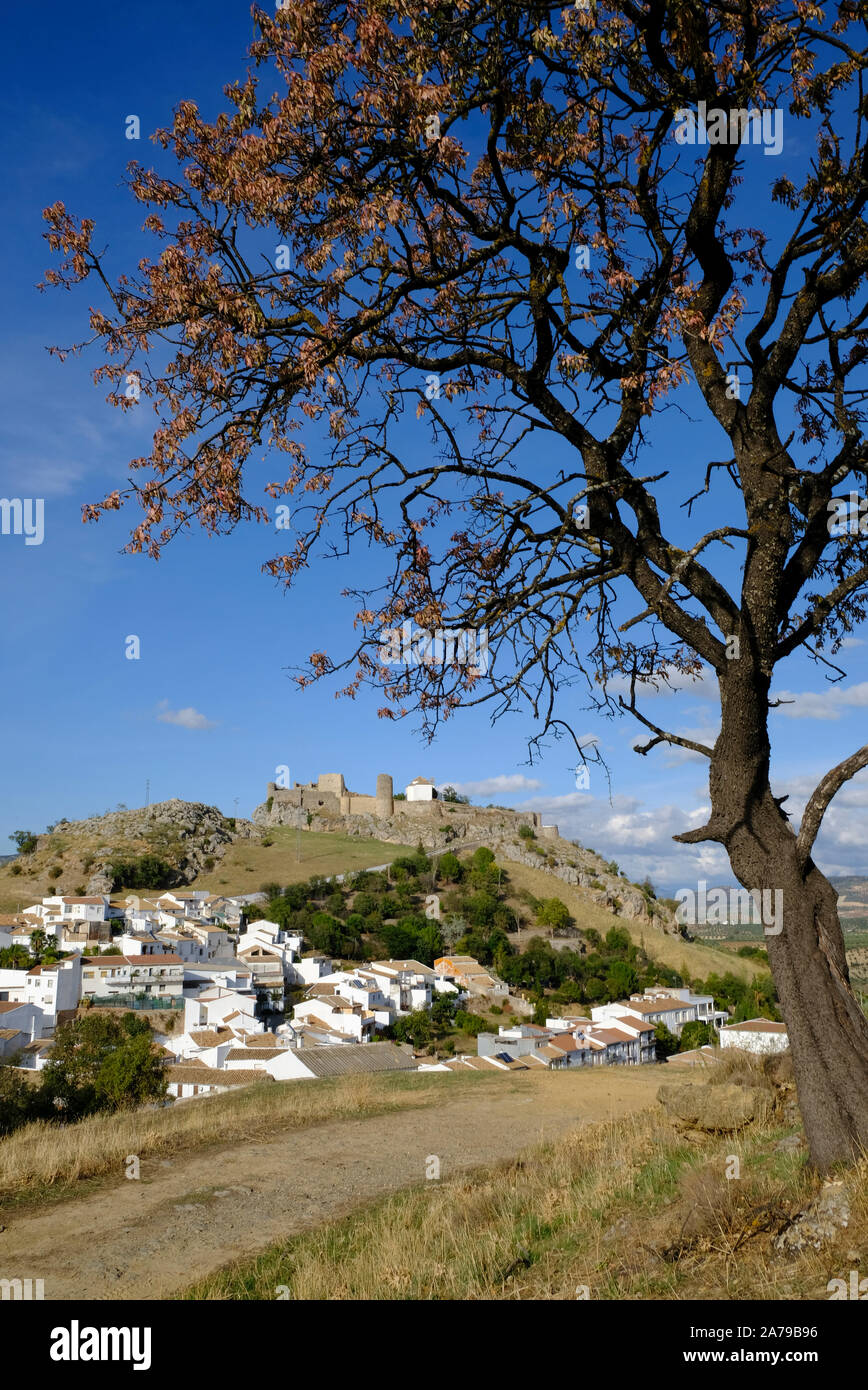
(754,1042)
(419,793)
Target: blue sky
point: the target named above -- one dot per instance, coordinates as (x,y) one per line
(209,711)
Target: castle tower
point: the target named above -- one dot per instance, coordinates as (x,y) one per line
(385,806)
(331,782)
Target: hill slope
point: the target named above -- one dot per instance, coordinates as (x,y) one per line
(77,857)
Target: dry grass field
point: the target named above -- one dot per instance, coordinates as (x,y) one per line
(42,1156)
(624,1209)
(293,857)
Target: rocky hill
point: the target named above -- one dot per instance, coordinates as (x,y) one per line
(174,843)
(179,840)
(852,896)
(458,827)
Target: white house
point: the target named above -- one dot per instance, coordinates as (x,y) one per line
(359,988)
(469,975)
(755,1035)
(12,984)
(267,970)
(276,1062)
(188,1079)
(166,939)
(206,1045)
(159,976)
(338,1015)
(48,989)
(421,789)
(54,989)
(308,969)
(20,1023)
(574,1042)
(215,941)
(95,908)
(285,945)
(658,1007)
(407,984)
(83,936)
(187,898)
(218,1005)
(140,914)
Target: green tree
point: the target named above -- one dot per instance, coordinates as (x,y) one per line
(694,1034)
(480,909)
(470,1023)
(16,1097)
(15,958)
(429,943)
(665,1042)
(416,1028)
(25,841)
(443,1009)
(401,939)
(131,1074)
(71,1081)
(621,979)
(554,914)
(39,943)
(449,868)
(617,940)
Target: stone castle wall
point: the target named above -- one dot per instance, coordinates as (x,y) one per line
(381,816)
(330,795)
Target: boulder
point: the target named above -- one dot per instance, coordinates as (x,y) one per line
(713,1109)
(819,1222)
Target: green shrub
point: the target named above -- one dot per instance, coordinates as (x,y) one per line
(25,841)
(469,1023)
(148,871)
(553,913)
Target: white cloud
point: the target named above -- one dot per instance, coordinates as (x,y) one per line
(830,703)
(704,685)
(637,835)
(672,753)
(494,786)
(188,718)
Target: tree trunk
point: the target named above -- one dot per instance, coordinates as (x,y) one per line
(827,1029)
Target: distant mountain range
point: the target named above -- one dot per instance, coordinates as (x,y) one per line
(852,895)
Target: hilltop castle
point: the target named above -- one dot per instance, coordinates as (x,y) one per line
(329,794)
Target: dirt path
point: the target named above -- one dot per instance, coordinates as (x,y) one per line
(187,1217)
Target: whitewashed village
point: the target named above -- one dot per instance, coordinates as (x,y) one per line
(215,987)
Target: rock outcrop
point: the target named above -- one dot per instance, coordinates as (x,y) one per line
(714,1109)
(188,836)
(820,1222)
